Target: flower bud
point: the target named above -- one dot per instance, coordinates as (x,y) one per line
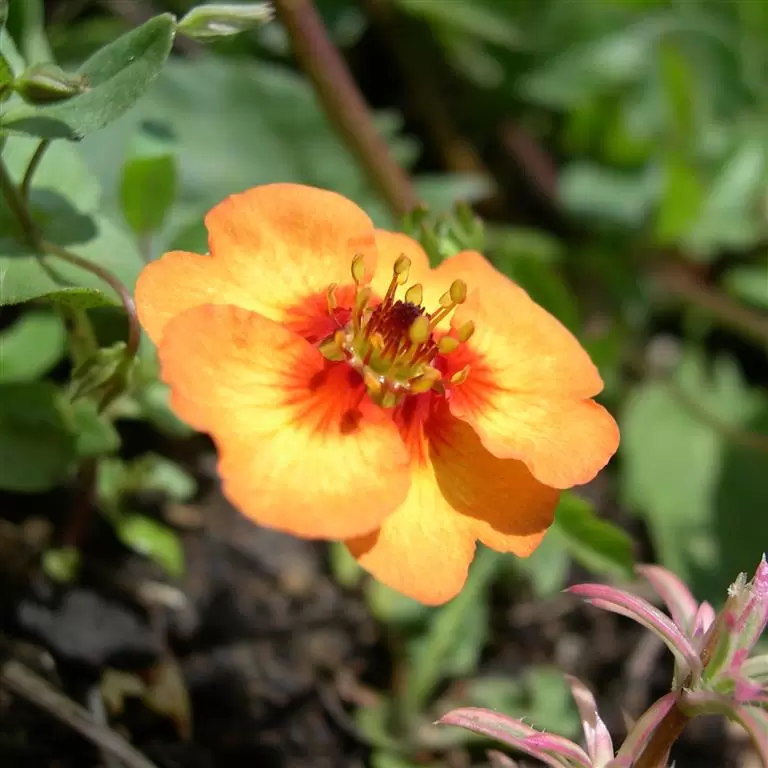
(211,22)
(47,83)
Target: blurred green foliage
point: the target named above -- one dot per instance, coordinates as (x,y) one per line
(623,162)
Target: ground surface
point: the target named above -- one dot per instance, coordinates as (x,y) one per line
(273,654)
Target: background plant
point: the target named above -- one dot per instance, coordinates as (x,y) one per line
(616,152)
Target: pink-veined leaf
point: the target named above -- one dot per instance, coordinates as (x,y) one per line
(599,742)
(641,611)
(514,733)
(682,605)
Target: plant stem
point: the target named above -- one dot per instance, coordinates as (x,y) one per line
(343,102)
(34,162)
(668,731)
(18,208)
(17,202)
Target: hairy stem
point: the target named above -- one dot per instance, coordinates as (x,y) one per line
(34,162)
(343,102)
(656,752)
(17,203)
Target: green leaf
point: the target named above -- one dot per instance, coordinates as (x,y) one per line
(26,23)
(547,568)
(24,275)
(600,546)
(119,74)
(456,634)
(490,22)
(687,471)
(37,448)
(727,218)
(393,608)
(61,565)
(682,200)
(155,473)
(273,130)
(96,436)
(154,540)
(31,346)
(749,283)
(6,79)
(147,191)
(604,194)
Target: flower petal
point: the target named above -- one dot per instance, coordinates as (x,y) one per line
(530,381)
(459,493)
(301,449)
(423,549)
(506,507)
(273,248)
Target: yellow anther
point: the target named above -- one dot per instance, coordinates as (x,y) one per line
(460,376)
(465,331)
(458,292)
(447,344)
(331,297)
(376,340)
(414,294)
(401,267)
(330,349)
(419,330)
(446,302)
(358,268)
(425,382)
(372,382)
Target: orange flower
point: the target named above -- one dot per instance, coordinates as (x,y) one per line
(410,425)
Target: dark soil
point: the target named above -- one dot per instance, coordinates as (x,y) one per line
(274,655)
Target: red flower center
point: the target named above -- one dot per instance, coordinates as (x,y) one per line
(395,344)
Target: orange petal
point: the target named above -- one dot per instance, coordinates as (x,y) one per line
(459,493)
(300,448)
(423,549)
(508,509)
(529,381)
(273,248)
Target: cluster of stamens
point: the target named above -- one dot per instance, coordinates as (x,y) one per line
(393,344)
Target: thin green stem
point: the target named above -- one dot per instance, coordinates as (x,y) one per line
(18,208)
(34,162)
(33,237)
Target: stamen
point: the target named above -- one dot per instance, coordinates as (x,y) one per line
(414,294)
(447,344)
(358,268)
(330,295)
(419,331)
(361,302)
(333,347)
(425,382)
(458,292)
(460,376)
(465,331)
(393,344)
(401,268)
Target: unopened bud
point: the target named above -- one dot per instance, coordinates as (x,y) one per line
(47,83)
(211,22)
